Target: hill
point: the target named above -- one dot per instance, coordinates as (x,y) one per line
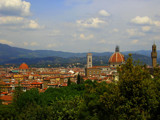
(16,55)
(73,61)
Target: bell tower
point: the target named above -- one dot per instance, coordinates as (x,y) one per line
(89,60)
(154,55)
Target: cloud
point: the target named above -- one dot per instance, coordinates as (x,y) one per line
(84,37)
(77,2)
(6,42)
(146,28)
(157,23)
(134,32)
(11,20)
(102,41)
(90,23)
(104,13)
(55,33)
(51,45)
(15,7)
(115,30)
(21,21)
(14,12)
(145,21)
(34,44)
(31,25)
(156,38)
(25,44)
(141,20)
(134,41)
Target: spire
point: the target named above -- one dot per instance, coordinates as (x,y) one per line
(154,45)
(117,49)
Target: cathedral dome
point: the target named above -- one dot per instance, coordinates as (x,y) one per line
(117,57)
(23,66)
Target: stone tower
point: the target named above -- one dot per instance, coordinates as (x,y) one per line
(154,55)
(89,60)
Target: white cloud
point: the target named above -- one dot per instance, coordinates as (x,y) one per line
(141,20)
(134,41)
(6,42)
(145,20)
(11,20)
(74,35)
(31,25)
(21,21)
(102,41)
(25,44)
(104,13)
(146,28)
(34,44)
(134,32)
(51,45)
(55,33)
(156,38)
(15,7)
(92,22)
(115,30)
(157,23)
(84,37)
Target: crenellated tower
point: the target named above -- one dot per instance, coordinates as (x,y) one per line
(154,55)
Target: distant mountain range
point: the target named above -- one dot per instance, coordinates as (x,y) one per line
(16,55)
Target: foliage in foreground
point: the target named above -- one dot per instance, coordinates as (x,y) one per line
(135,96)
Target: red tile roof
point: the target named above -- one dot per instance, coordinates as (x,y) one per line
(116,57)
(6,98)
(36,83)
(23,66)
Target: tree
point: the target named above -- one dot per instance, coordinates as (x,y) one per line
(138,91)
(30,97)
(156,72)
(78,79)
(18,92)
(69,82)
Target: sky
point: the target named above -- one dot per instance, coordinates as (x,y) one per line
(80,25)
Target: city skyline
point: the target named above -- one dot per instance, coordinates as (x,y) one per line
(81,25)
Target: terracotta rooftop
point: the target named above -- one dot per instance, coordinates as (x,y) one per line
(23,66)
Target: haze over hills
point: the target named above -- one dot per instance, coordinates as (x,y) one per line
(16,55)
